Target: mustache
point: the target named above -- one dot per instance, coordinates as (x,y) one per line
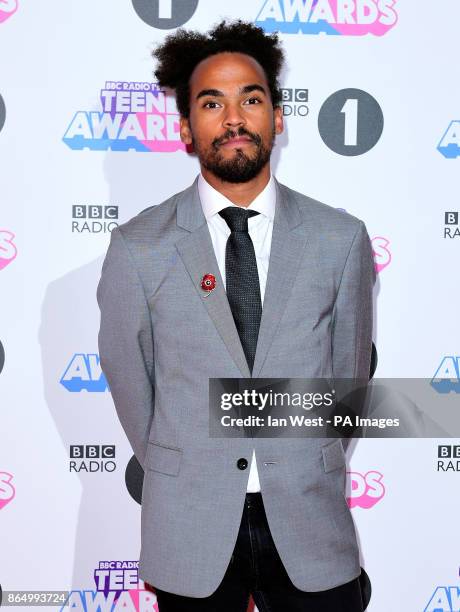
(235,134)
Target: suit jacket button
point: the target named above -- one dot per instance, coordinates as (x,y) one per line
(242,463)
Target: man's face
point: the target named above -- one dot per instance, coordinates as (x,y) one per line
(232,122)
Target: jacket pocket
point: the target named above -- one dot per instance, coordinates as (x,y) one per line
(163,459)
(333,456)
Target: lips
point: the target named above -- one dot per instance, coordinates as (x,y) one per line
(238,140)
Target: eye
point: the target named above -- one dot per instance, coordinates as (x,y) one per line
(253,100)
(210,105)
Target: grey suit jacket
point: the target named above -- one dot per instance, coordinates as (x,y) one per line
(160,341)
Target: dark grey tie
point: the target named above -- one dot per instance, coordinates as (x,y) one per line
(242,279)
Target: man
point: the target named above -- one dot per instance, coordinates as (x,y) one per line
(236,276)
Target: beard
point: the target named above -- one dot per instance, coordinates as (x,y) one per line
(241,168)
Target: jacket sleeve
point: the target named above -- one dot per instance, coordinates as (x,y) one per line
(126,343)
(352,316)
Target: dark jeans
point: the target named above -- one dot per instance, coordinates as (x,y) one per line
(256,568)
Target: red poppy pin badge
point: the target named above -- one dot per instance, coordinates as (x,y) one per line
(208,283)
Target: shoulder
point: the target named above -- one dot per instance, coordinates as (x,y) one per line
(153,220)
(149,237)
(323,216)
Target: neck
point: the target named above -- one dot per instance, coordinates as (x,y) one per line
(241,194)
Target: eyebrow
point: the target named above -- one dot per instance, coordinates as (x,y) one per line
(253,87)
(216,93)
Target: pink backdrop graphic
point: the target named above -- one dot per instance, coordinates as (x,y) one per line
(382,254)
(366,489)
(8,250)
(7,489)
(7,9)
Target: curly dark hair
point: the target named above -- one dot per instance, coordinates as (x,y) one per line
(180,53)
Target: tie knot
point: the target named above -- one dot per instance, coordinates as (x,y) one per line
(237,217)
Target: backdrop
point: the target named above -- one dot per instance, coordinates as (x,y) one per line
(371,102)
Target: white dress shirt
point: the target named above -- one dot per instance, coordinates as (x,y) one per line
(260,229)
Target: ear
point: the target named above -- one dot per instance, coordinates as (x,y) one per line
(185,131)
(278,120)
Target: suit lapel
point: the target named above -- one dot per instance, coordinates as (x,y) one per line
(286,253)
(197,253)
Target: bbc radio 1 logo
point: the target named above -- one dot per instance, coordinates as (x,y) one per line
(117,587)
(294,102)
(8,250)
(92,219)
(350,122)
(165,14)
(84,373)
(448,458)
(451,229)
(7,9)
(447,376)
(132,116)
(364,490)
(336,17)
(92,458)
(449,145)
(7,489)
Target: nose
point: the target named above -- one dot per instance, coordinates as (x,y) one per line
(233,117)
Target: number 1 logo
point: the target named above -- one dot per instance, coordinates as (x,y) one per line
(350,122)
(165,14)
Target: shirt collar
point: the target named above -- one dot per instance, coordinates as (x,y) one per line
(212,201)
